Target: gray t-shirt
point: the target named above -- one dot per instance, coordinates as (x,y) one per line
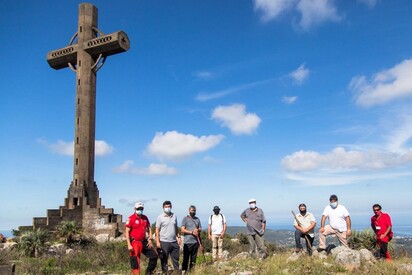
(254,221)
(167,227)
(191,224)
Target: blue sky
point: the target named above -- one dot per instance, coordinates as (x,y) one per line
(216,102)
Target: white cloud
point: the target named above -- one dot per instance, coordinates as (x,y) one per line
(369,3)
(315,12)
(312,12)
(153,169)
(384,86)
(401,134)
(225,92)
(300,74)
(175,145)
(333,179)
(61,147)
(236,119)
(340,159)
(289,99)
(271,9)
(102,148)
(204,75)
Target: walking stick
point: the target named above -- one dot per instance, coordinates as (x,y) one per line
(201,246)
(299,224)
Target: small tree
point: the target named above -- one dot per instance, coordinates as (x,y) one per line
(33,243)
(68,230)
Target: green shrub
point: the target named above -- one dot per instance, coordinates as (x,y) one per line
(33,243)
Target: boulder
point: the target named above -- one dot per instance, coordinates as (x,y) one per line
(102,238)
(242,255)
(225,255)
(350,257)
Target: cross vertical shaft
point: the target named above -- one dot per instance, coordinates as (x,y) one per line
(84,139)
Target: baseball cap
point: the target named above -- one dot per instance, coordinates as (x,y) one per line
(216,208)
(139,204)
(252,200)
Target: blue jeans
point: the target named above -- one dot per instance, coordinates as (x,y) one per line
(299,235)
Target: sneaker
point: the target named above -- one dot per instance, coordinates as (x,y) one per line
(298,250)
(320,249)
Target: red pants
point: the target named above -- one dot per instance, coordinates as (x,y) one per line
(384,251)
(137,250)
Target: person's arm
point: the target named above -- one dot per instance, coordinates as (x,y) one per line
(177,233)
(157,237)
(224,230)
(129,243)
(386,232)
(209,232)
(149,240)
(322,224)
(348,225)
(243,217)
(311,226)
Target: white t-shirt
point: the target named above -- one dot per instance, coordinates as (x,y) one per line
(337,217)
(217,222)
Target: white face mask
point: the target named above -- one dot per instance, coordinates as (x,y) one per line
(167,210)
(252,205)
(139,212)
(334,204)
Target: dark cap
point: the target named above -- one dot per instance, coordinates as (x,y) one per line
(333,198)
(216,208)
(302,204)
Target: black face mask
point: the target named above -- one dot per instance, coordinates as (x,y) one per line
(192,214)
(216,212)
(303,213)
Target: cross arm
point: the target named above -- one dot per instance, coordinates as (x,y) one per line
(106,45)
(60,58)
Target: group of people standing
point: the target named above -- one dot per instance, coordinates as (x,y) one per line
(339,226)
(167,238)
(166,243)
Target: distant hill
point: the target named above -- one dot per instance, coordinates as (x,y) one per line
(282,236)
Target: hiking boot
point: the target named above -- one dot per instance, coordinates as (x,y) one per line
(298,250)
(320,249)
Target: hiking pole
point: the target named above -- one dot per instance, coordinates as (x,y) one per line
(299,224)
(201,246)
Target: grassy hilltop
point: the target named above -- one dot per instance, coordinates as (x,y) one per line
(40,253)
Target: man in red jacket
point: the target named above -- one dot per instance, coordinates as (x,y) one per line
(137,226)
(382,225)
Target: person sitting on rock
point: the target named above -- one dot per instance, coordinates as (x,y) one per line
(304,223)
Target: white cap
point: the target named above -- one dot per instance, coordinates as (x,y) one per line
(252,200)
(139,204)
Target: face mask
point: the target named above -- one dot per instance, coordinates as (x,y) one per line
(192,214)
(139,212)
(167,210)
(216,212)
(252,205)
(334,204)
(303,213)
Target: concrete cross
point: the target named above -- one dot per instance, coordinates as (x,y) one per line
(85,58)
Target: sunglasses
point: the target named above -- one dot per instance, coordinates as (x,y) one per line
(376,210)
